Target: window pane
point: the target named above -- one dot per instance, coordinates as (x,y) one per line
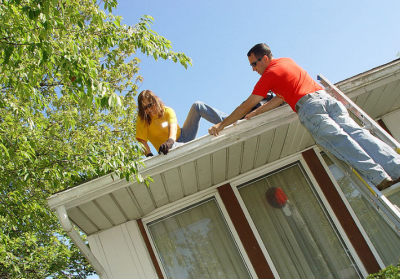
(294,227)
(382,236)
(196,243)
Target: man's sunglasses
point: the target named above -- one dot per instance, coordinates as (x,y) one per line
(255,63)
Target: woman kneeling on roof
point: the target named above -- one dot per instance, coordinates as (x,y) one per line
(158,124)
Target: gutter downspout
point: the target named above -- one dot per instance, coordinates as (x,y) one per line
(73,234)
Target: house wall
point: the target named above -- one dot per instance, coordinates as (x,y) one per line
(122,252)
(392,123)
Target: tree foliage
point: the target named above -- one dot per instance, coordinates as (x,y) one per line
(68,78)
(390,272)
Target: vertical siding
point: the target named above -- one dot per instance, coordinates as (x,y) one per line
(122,253)
(392,123)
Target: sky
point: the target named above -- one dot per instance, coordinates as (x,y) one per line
(336,38)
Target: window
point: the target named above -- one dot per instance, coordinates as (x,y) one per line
(196,242)
(295,227)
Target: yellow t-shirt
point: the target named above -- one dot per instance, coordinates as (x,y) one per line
(157,132)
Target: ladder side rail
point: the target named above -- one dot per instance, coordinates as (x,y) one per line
(370,123)
(381,204)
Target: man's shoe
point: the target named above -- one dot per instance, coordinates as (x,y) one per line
(396,181)
(386,183)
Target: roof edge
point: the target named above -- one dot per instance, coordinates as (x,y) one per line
(370,79)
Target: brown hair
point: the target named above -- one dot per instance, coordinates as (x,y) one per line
(151,98)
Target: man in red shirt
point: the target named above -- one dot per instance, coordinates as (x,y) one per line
(323,116)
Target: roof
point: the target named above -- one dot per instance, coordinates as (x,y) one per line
(210,161)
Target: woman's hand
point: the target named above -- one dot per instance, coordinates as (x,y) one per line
(166,146)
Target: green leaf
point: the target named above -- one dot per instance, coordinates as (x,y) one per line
(31,14)
(8,52)
(4,150)
(45,56)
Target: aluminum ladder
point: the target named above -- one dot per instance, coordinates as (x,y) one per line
(389,211)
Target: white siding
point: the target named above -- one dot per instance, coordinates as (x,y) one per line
(122,252)
(392,122)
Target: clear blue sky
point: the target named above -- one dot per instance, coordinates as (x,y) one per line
(337,38)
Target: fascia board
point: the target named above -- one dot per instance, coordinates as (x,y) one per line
(371,79)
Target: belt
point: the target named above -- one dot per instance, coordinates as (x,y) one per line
(305,99)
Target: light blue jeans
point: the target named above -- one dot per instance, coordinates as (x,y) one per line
(331,126)
(192,123)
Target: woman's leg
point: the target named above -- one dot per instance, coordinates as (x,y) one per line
(192,123)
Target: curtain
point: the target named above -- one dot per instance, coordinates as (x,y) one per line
(196,243)
(395,199)
(385,240)
(295,228)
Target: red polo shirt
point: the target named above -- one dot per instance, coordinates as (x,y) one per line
(287,80)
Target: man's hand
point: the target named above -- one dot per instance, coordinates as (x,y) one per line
(166,146)
(250,115)
(214,130)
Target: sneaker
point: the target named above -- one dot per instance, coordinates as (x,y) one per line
(386,183)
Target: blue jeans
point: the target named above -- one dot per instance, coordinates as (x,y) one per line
(331,126)
(192,123)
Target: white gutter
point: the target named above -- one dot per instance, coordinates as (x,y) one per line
(73,234)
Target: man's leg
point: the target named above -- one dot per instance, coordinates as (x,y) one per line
(315,117)
(378,150)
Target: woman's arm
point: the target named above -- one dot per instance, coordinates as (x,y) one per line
(173,129)
(166,146)
(147,152)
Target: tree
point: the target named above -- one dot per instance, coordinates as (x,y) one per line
(68,81)
(389,272)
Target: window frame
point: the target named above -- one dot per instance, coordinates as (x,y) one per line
(188,202)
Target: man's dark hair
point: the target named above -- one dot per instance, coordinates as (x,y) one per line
(260,50)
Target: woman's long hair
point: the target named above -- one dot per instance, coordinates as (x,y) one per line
(151,98)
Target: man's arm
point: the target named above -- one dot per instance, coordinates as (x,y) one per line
(237,114)
(273,103)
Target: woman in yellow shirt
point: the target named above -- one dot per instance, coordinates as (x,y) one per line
(158,124)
